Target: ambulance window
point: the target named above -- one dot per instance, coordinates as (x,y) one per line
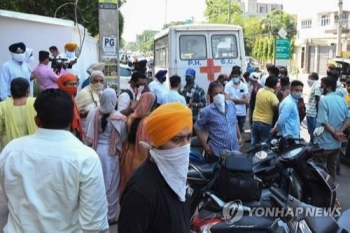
(161,51)
(193,47)
(224,46)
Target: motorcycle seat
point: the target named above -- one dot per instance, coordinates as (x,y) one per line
(316,218)
(205,170)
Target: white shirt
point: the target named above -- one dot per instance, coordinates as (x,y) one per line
(237,92)
(53,183)
(159,89)
(10,70)
(173,96)
(263,80)
(124,100)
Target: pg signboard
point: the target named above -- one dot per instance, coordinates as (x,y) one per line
(109,45)
(282,49)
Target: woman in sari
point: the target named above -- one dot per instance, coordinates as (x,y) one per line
(17,113)
(69,83)
(133,155)
(89,97)
(106,132)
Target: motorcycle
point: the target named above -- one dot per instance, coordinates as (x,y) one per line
(289,165)
(300,217)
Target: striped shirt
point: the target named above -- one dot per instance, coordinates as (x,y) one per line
(222,127)
(311,110)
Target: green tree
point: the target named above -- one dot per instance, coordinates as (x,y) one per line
(276,20)
(217,11)
(87,11)
(145,41)
(252,30)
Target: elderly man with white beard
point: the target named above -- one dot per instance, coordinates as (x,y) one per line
(14,68)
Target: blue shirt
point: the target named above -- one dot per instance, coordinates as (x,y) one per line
(288,123)
(332,109)
(173,96)
(222,127)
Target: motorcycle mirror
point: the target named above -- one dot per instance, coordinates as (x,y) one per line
(260,155)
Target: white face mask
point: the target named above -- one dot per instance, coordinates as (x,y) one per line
(70,54)
(310,82)
(173,165)
(97,87)
(219,99)
(18,56)
(140,89)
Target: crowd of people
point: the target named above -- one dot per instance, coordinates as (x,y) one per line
(90,159)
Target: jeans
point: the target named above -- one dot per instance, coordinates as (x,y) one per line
(241,121)
(260,133)
(328,158)
(311,125)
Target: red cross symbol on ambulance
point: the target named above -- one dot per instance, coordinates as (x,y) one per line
(210,69)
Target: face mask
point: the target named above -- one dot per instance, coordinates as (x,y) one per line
(225,82)
(296,95)
(97,87)
(70,54)
(71,90)
(189,81)
(219,99)
(173,165)
(235,80)
(162,79)
(310,82)
(140,89)
(18,57)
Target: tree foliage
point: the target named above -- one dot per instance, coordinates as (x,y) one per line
(145,41)
(217,11)
(87,11)
(276,20)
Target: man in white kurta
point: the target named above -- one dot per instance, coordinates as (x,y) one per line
(52,182)
(158,86)
(14,68)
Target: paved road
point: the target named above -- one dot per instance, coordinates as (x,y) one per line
(343,180)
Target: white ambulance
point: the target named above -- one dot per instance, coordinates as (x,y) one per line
(209,49)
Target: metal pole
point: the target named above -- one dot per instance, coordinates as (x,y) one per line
(229,11)
(339,31)
(117,48)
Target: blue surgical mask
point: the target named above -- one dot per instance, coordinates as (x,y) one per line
(296,94)
(235,80)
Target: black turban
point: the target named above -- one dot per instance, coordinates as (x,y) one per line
(14,47)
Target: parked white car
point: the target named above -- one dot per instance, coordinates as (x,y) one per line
(125,76)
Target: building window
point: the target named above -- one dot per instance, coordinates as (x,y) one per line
(306,24)
(325,20)
(161,52)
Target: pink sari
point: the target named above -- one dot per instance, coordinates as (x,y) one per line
(133,155)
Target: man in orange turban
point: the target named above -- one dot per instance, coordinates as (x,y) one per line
(158,187)
(70,57)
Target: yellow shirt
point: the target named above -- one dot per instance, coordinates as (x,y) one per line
(348,99)
(266,100)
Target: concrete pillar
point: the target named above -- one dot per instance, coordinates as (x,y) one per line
(109,27)
(317,59)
